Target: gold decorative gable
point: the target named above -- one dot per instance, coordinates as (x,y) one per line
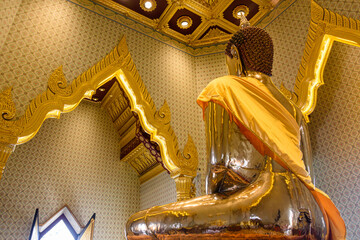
(60,98)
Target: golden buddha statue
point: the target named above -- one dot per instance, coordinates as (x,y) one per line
(259,162)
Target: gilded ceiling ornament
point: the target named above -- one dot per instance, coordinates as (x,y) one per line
(240,9)
(211,13)
(207,3)
(148,5)
(184,22)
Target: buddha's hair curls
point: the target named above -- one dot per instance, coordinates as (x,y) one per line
(255,48)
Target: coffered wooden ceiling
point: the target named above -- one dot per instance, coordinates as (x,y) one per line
(209,21)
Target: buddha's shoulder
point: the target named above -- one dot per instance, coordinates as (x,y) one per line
(225,80)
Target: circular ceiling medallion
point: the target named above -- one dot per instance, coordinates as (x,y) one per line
(184,22)
(148,5)
(241,9)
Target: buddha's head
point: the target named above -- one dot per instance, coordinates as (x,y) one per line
(250,49)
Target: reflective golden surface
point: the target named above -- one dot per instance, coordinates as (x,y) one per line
(249,195)
(246,192)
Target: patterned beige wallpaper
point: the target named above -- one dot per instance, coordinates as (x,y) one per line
(73,161)
(151,193)
(289,32)
(8,10)
(335,134)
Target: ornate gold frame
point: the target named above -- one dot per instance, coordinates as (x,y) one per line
(60,98)
(325,28)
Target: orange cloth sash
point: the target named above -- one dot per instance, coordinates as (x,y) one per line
(272,130)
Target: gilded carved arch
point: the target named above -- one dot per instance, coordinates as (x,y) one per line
(325,28)
(61,98)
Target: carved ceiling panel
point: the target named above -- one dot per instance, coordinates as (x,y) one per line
(194,22)
(136,148)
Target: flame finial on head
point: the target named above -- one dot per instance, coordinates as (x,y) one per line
(243,21)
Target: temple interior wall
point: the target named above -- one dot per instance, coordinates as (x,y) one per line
(36,40)
(72,161)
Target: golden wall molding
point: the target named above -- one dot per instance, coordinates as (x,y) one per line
(325,28)
(134,154)
(115,104)
(144,163)
(61,98)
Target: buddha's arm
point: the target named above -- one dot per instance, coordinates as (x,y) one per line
(233,163)
(216,145)
(305,146)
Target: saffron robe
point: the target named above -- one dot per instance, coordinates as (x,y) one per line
(272,130)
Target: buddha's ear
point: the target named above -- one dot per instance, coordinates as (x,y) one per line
(234,51)
(240,70)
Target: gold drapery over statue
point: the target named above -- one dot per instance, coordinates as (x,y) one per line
(271,129)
